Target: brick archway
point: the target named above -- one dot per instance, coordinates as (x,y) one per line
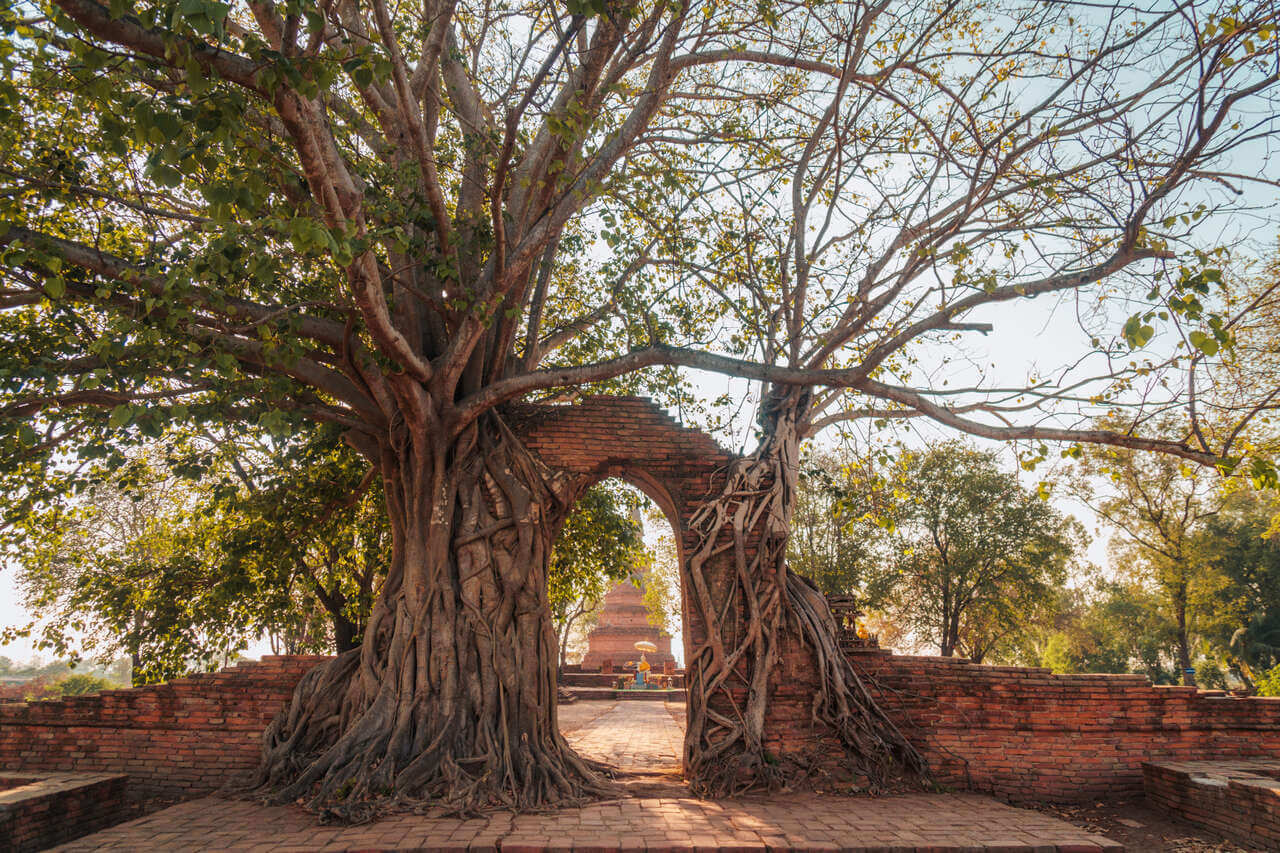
(632,439)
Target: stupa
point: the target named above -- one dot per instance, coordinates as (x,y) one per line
(624,622)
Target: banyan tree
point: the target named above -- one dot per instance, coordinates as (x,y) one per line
(404,220)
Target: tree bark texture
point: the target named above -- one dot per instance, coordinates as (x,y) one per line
(743,599)
(451,698)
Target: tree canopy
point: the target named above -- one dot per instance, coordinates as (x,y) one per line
(252,212)
(977,555)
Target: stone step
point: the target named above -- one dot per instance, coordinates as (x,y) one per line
(591,693)
(603,679)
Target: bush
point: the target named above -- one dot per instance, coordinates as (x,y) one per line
(1269,683)
(76,685)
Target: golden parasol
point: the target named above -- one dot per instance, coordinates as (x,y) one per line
(646,646)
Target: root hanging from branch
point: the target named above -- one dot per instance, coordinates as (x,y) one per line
(744,598)
(450,703)
(728,673)
(878,749)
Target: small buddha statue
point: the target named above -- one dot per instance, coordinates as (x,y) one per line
(641,669)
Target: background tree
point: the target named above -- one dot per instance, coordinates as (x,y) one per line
(111,575)
(978,556)
(182,556)
(837,532)
(1157,504)
(1104,626)
(663,597)
(1073,639)
(36,678)
(396,221)
(79,684)
(306,529)
(1239,612)
(1269,683)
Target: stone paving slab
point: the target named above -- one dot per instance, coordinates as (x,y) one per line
(631,736)
(574,716)
(812,822)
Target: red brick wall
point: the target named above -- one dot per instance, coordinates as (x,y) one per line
(1021,734)
(1017,733)
(1026,734)
(188,736)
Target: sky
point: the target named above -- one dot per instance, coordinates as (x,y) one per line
(13,613)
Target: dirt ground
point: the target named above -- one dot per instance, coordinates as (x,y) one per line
(1140,828)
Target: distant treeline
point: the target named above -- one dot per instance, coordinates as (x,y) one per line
(35,680)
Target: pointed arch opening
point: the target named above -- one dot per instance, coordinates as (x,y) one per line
(617,604)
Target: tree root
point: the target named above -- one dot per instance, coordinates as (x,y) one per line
(450,703)
(354,773)
(876,748)
(745,613)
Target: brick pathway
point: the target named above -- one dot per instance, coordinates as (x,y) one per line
(634,736)
(577,714)
(934,822)
(630,735)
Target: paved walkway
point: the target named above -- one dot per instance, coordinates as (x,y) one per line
(632,736)
(629,735)
(934,822)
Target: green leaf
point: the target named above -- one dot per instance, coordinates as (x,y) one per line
(120,416)
(1207,344)
(1137,333)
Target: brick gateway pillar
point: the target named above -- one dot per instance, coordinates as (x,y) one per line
(632,439)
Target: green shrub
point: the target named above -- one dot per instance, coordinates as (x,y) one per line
(1269,683)
(79,685)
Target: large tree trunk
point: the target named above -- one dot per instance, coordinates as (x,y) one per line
(451,697)
(745,615)
(344,633)
(1184,642)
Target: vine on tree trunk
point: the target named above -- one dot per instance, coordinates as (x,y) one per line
(451,699)
(744,616)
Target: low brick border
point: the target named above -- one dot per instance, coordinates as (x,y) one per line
(1239,799)
(44,809)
